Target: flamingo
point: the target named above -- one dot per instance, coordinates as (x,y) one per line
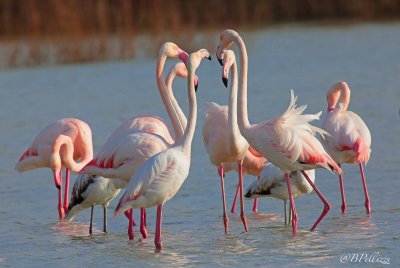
(60,145)
(91,190)
(350,140)
(223,141)
(272,183)
(140,138)
(160,177)
(287,141)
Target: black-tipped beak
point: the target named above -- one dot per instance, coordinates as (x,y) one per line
(225,81)
(209,57)
(219,60)
(58,186)
(248,194)
(196,86)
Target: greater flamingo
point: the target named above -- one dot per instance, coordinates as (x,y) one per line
(91,190)
(350,140)
(139,138)
(222,139)
(287,141)
(271,183)
(160,177)
(60,145)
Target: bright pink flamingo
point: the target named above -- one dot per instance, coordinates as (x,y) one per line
(222,139)
(60,145)
(139,138)
(350,139)
(161,176)
(287,141)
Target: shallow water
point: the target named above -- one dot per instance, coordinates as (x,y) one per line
(306,58)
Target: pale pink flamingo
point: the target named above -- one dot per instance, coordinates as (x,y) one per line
(271,183)
(160,177)
(350,140)
(91,190)
(222,139)
(66,143)
(288,141)
(140,138)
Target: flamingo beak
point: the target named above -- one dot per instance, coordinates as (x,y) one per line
(218,58)
(225,81)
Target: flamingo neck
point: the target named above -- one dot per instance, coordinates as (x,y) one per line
(182,121)
(162,89)
(243,119)
(189,131)
(62,154)
(232,108)
(339,92)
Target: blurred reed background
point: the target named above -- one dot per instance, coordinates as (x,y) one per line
(37,32)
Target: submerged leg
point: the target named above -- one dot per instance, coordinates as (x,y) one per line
(367,202)
(66,190)
(91,221)
(342,192)
(221,174)
(240,164)
(58,183)
(292,206)
(157,238)
(143,230)
(255,204)
(327,207)
(129,214)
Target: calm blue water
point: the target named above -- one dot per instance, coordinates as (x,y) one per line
(303,57)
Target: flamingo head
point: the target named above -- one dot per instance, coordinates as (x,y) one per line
(225,41)
(194,62)
(228,57)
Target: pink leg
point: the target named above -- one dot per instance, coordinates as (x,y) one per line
(66,190)
(129,214)
(292,206)
(145,217)
(342,192)
(143,230)
(58,183)
(367,203)
(157,238)
(241,196)
(327,207)
(235,199)
(255,205)
(221,174)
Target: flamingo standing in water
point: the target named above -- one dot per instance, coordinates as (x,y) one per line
(272,183)
(160,177)
(140,138)
(222,139)
(288,141)
(350,140)
(91,190)
(60,145)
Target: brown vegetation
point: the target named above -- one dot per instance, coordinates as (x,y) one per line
(84,30)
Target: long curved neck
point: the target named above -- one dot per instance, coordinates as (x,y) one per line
(181,118)
(232,108)
(192,118)
(243,119)
(62,154)
(338,92)
(165,98)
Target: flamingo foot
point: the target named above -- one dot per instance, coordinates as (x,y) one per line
(343,208)
(368,206)
(61,213)
(143,231)
(226,222)
(244,220)
(159,246)
(294,223)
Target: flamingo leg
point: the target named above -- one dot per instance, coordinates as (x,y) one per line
(285,210)
(342,192)
(367,202)
(327,207)
(143,230)
(157,238)
(221,174)
(66,190)
(240,164)
(292,206)
(91,221)
(235,199)
(58,183)
(105,219)
(145,217)
(255,204)
(129,214)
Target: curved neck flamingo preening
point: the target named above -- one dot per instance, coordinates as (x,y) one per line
(176,124)
(338,91)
